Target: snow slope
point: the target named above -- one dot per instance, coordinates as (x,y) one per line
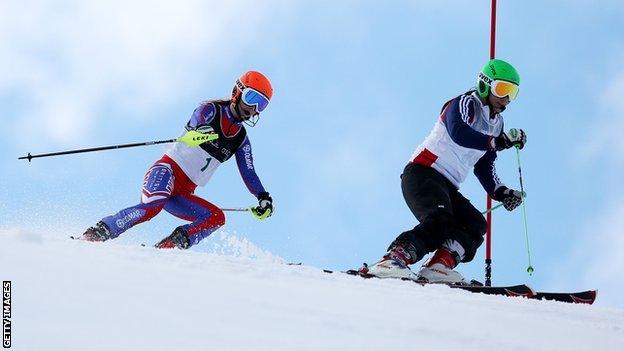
(71,295)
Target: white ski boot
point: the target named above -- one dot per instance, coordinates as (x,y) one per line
(439,269)
(389,268)
(439,273)
(392,265)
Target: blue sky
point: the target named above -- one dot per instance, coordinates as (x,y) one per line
(358,85)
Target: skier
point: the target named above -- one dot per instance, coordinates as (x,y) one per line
(468,134)
(171,182)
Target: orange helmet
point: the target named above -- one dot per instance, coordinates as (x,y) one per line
(255,80)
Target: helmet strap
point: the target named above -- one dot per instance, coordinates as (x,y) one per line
(240,85)
(484,87)
(487,103)
(236,113)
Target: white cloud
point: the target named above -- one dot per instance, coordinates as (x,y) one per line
(70,60)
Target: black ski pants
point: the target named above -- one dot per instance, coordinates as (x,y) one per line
(443,212)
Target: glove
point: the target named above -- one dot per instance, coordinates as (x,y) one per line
(509,197)
(514,137)
(264,209)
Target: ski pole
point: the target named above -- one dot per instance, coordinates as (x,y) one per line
(254,213)
(192,138)
(530,269)
(241,209)
(491,209)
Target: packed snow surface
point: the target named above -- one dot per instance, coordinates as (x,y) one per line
(73,295)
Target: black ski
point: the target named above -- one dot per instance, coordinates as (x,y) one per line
(582,297)
(585,297)
(512,290)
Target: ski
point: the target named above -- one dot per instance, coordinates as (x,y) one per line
(583,297)
(522,290)
(512,290)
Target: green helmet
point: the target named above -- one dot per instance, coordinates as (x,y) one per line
(495,70)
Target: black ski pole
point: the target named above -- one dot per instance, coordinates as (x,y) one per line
(102,148)
(192,138)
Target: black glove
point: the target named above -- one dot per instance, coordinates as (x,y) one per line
(509,197)
(514,137)
(265,206)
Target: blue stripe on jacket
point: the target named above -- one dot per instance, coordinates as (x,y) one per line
(244,160)
(459,114)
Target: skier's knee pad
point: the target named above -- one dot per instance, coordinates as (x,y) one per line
(158,183)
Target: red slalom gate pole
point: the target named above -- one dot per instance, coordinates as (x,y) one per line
(488,217)
(493,31)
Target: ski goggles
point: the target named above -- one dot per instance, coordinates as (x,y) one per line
(252,97)
(501,88)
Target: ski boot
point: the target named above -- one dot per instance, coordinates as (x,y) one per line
(394,264)
(179,238)
(98,233)
(439,269)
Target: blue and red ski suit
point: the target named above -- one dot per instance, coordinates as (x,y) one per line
(171,181)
